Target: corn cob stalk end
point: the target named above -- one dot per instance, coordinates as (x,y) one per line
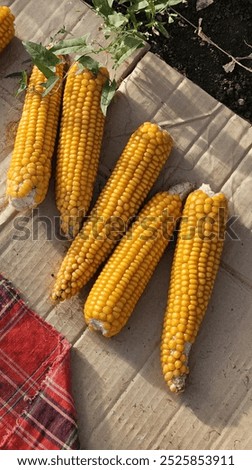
(177,384)
(182,189)
(27,202)
(207,189)
(97,325)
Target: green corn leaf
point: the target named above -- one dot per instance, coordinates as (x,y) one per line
(42,57)
(71,46)
(49,84)
(22,83)
(23,80)
(108,92)
(88,62)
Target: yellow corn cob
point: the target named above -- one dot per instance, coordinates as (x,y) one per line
(81,132)
(132,178)
(30,167)
(7,29)
(129,269)
(194,268)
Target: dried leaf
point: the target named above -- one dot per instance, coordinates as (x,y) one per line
(229,67)
(201,34)
(249,45)
(200,4)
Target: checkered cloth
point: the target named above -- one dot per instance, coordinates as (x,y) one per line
(36,407)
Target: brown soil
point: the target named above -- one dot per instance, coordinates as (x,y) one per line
(228,23)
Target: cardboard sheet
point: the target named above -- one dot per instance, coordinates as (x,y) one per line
(121,397)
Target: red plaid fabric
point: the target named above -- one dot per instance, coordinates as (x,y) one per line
(36,406)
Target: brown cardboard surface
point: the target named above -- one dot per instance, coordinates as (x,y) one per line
(121,398)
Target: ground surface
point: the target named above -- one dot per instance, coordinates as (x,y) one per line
(229,24)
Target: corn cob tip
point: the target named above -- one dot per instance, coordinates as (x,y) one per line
(56,296)
(206,188)
(177,384)
(98,326)
(27,202)
(164,132)
(182,189)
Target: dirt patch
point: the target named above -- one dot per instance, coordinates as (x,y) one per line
(228,23)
